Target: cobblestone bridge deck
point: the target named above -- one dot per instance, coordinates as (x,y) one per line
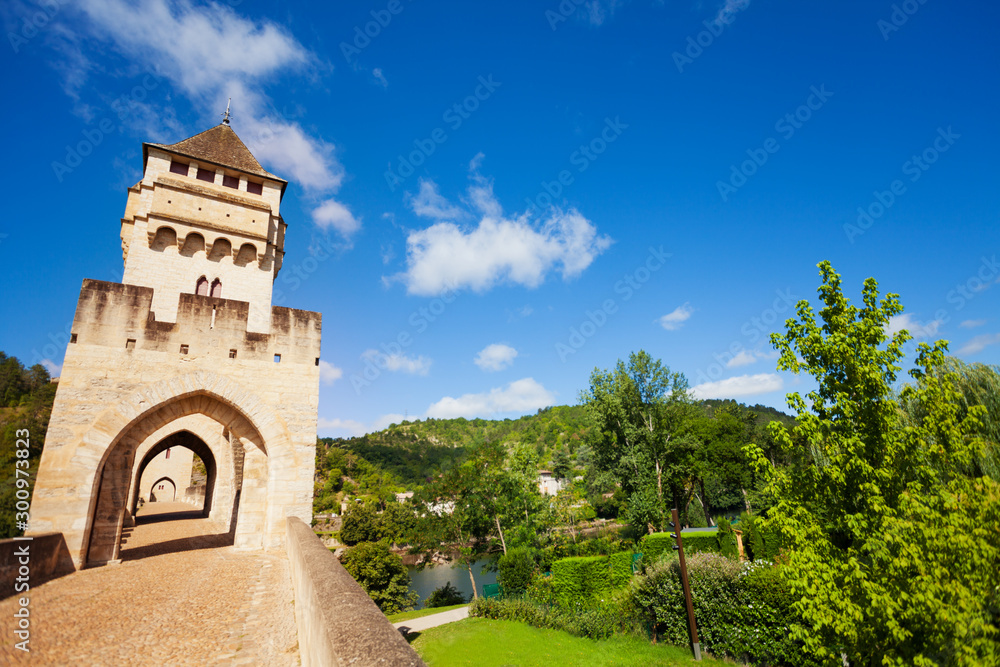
(179,597)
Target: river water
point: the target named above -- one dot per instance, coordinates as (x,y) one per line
(425,581)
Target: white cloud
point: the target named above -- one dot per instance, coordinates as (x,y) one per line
(747,357)
(398,362)
(744,358)
(334,214)
(349,427)
(52,367)
(209,53)
(497,249)
(524,395)
(495,357)
(328,373)
(979,343)
(380,77)
(429,203)
(972,324)
(741,385)
(916,328)
(385,421)
(676,318)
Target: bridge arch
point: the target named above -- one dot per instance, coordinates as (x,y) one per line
(170,493)
(158,412)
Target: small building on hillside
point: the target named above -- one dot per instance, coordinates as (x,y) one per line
(548,485)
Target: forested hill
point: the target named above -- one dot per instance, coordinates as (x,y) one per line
(407,455)
(414,451)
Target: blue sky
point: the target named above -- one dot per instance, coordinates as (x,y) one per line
(488,201)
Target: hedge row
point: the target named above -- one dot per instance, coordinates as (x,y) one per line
(588,578)
(653,546)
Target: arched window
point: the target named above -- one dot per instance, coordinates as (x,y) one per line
(217,288)
(201,288)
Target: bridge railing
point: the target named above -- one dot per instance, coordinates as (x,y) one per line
(338,623)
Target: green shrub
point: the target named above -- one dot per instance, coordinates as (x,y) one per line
(743,610)
(596,620)
(586,579)
(760,544)
(445,596)
(382,574)
(726,539)
(655,545)
(515,570)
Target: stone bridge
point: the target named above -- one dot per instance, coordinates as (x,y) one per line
(184,595)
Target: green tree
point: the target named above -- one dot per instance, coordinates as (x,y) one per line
(361,524)
(643,414)
(892,545)
(445,596)
(382,574)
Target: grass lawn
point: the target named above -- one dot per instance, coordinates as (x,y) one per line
(409,615)
(488,643)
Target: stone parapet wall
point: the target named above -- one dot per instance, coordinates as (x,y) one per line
(47,557)
(112,314)
(338,623)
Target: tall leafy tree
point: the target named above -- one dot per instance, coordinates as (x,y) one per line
(892,544)
(643,414)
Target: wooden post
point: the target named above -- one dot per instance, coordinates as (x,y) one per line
(692,626)
(739,544)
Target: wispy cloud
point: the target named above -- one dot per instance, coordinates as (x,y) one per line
(208,53)
(676,318)
(979,343)
(495,357)
(729,10)
(741,385)
(497,249)
(398,363)
(328,373)
(972,324)
(919,330)
(525,395)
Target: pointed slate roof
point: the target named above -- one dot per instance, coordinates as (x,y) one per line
(218,145)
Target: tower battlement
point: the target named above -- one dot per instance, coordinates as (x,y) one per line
(120,316)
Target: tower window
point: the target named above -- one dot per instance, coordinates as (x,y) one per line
(184,349)
(130,344)
(231,181)
(201,287)
(206,175)
(277,358)
(72,338)
(168,456)
(232,354)
(217,288)
(178,168)
(255,188)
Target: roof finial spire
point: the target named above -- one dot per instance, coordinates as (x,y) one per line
(225,116)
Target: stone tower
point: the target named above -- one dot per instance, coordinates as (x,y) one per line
(186,352)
